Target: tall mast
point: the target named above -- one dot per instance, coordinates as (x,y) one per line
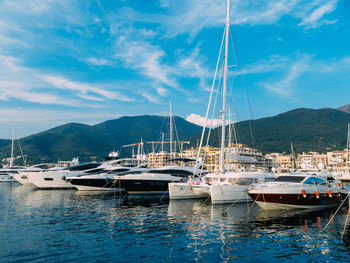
(224,89)
(162,142)
(348,144)
(12,146)
(229,128)
(171,132)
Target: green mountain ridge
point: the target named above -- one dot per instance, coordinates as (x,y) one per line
(318,130)
(74,139)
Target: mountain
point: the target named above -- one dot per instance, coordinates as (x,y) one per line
(318,130)
(345,108)
(74,139)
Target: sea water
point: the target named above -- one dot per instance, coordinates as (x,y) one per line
(75,226)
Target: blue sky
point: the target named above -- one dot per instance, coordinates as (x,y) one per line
(89,61)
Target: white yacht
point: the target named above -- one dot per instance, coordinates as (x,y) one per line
(21,175)
(54,178)
(155,180)
(102,177)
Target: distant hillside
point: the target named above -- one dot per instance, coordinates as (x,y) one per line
(345,108)
(74,139)
(310,130)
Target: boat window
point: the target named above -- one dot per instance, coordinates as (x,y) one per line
(97,170)
(118,171)
(245,181)
(82,167)
(173,172)
(48,179)
(290,178)
(132,172)
(314,180)
(41,166)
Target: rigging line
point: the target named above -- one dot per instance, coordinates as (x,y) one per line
(20,148)
(337,210)
(235,51)
(177,136)
(212,115)
(208,108)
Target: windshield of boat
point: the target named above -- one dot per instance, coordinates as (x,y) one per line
(290,178)
(314,180)
(82,167)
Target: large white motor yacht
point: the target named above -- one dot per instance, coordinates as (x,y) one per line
(54,178)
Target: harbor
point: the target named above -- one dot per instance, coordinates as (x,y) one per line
(174,131)
(69,225)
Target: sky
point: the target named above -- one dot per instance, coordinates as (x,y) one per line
(89,61)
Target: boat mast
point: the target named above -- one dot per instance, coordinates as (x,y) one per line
(171,133)
(224,89)
(348,145)
(12,146)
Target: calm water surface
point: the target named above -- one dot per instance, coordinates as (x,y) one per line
(68,225)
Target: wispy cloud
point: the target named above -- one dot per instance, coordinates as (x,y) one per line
(193,16)
(98,61)
(312,17)
(14,90)
(144,57)
(151,98)
(283,75)
(162,91)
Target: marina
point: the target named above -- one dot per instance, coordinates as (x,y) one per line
(214,183)
(69,225)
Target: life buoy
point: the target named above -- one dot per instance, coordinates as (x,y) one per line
(317,194)
(329,193)
(303,192)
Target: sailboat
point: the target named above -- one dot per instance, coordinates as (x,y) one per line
(223,186)
(343,174)
(6,174)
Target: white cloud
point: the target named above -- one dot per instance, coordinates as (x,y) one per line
(314,17)
(151,98)
(192,16)
(162,91)
(144,57)
(283,75)
(98,61)
(14,90)
(199,120)
(63,83)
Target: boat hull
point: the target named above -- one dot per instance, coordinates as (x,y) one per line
(50,180)
(296,201)
(222,193)
(22,179)
(188,191)
(137,186)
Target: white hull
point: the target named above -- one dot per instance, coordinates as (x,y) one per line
(22,179)
(50,180)
(225,193)
(188,191)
